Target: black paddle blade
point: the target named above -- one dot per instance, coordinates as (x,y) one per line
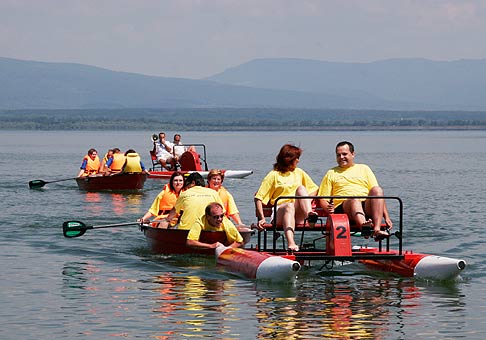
(72,229)
(37,183)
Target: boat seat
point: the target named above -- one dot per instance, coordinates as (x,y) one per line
(190,161)
(155,162)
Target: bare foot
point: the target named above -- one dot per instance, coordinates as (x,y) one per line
(312,218)
(293,248)
(379,235)
(366,228)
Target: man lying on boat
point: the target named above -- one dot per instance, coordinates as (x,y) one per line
(214,219)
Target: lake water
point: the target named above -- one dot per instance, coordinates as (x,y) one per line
(106,284)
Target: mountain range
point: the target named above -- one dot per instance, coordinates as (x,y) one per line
(394,84)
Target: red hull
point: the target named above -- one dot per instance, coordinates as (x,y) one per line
(173,241)
(123,182)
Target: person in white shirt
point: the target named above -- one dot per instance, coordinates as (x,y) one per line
(164,152)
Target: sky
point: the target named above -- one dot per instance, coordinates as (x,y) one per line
(199,38)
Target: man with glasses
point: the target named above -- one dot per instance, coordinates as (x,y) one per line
(214,219)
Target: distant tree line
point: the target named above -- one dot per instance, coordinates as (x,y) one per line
(238,119)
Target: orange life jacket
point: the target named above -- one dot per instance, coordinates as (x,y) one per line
(168,200)
(118,161)
(92,166)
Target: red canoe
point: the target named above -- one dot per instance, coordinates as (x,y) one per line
(173,241)
(121,182)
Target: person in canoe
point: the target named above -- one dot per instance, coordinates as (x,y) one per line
(214,219)
(165,201)
(115,163)
(286,179)
(163,150)
(352,179)
(132,164)
(215,182)
(108,155)
(192,201)
(90,165)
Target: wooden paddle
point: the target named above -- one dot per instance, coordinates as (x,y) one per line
(72,229)
(38,183)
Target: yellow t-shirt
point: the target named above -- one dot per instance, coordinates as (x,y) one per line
(193,202)
(276,184)
(232,234)
(228,201)
(354,181)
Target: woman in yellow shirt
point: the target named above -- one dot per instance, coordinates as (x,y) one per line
(286,179)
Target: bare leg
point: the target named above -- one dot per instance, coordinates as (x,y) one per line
(354,210)
(375,209)
(302,206)
(285,217)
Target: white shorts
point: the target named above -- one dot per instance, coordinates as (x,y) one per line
(165,157)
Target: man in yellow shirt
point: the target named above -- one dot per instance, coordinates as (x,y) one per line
(192,202)
(351,179)
(213,219)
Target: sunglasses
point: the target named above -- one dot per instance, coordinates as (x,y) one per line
(218,216)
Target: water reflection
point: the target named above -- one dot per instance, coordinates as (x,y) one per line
(312,307)
(118,204)
(202,300)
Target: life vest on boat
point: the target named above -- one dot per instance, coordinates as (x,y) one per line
(167,200)
(92,166)
(118,161)
(132,163)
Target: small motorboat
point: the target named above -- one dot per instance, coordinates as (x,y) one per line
(192,161)
(117,182)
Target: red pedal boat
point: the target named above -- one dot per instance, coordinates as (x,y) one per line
(329,241)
